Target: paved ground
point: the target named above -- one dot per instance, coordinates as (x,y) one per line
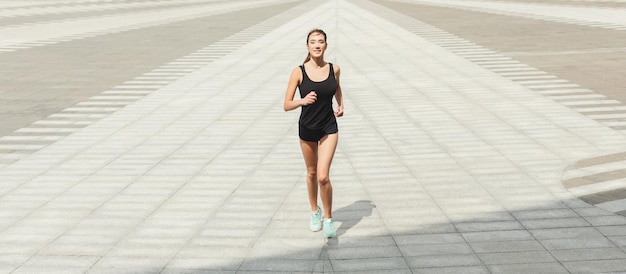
(149,137)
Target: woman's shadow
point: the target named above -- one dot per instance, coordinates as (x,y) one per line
(350,216)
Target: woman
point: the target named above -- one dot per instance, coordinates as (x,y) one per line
(318,82)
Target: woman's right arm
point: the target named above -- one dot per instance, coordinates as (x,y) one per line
(294,80)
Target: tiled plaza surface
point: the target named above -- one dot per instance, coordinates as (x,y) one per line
(149,137)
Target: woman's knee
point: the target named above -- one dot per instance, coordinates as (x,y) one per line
(312,174)
(323,179)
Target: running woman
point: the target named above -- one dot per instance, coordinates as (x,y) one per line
(318,82)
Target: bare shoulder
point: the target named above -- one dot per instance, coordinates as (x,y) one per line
(297,71)
(296,74)
(336,68)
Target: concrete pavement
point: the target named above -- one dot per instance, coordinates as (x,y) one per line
(453,157)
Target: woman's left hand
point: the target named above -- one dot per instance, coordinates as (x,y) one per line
(339,111)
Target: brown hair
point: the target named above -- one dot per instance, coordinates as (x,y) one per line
(308,56)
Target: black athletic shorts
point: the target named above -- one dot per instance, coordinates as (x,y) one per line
(315,135)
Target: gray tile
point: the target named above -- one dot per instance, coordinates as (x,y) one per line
(7,269)
(576,243)
(213,251)
(43,269)
(286,265)
(459,269)
(77,249)
(497,236)
(198,271)
(609,220)
(186,264)
(371,264)
(592,212)
(488,226)
(618,230)
(564,233)
(363,252)
(435,249)
(384,271)
(372,241)
(547,268)
(615,265)
(60,261)
(444,228)
(618,240)
(588,254)
(126,270)
(136,262)
(525,257)
(554,223)
(443,261)
(425,239)
(506,246)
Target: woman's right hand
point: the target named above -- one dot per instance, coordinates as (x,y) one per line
(310,98)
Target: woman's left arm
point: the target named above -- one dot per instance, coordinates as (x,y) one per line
(338,93)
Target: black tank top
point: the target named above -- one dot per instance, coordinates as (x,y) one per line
(319,114)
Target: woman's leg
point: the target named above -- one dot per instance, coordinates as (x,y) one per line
(309,151)
(327,147)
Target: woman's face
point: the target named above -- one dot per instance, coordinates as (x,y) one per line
(316,45)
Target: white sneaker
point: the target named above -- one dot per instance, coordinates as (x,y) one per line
(316,220)
(329,228)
